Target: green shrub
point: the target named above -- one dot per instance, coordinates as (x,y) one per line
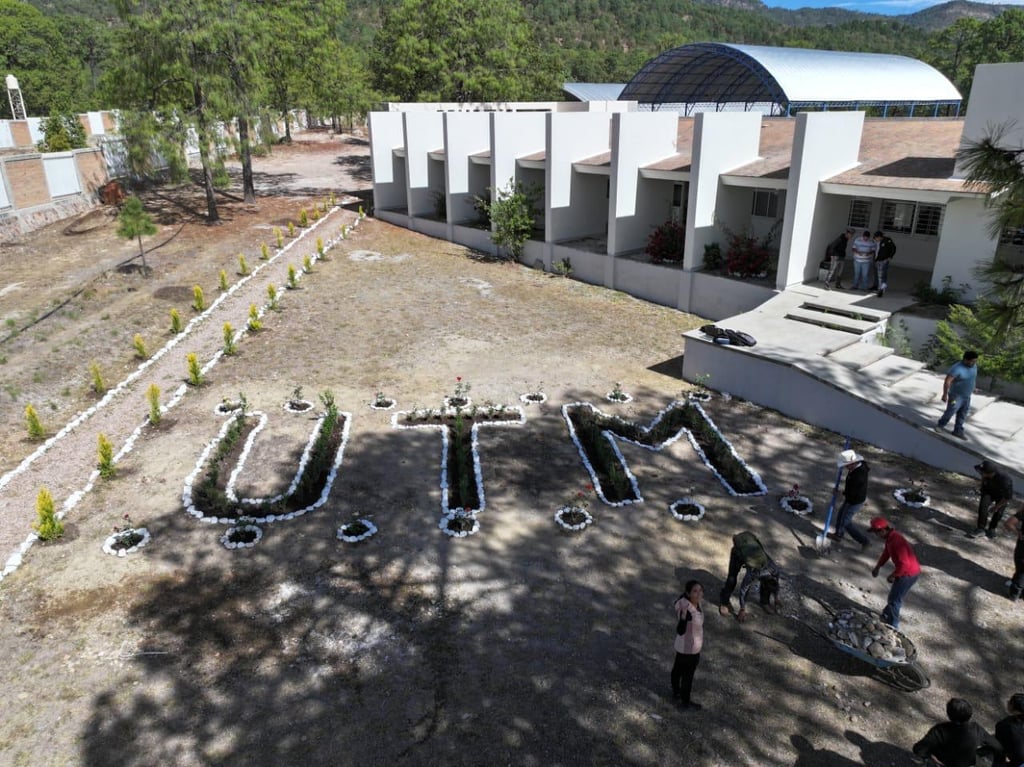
(98,384)
(303,218)
(195,371)
(35,426)
(293,278)
(153,397)
(243,265)
(47,526)
(175,322)
(198,302)
(140,347)
(230,347)
(223,280)
(254,324)
(272,295)
(105,451)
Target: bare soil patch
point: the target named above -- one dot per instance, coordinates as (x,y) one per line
(522,644)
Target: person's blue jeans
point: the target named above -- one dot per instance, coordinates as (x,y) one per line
(882,274)
(961,406)
(844,523)
(861,274)
(900,587)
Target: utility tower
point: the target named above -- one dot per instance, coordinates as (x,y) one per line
(14,98)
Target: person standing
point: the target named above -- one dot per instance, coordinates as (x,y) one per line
(863,257)
(1015,524)
(688,643)
(747,552)
(906,568)
(885,249)
(1010,734)
(958,742)
(996,492)
(957,388)
(855,493)
(836,254)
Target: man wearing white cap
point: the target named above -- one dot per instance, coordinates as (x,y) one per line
(855,492)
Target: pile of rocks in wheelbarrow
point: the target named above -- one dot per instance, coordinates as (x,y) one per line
(869,635)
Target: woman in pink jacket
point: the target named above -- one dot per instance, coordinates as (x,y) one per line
(688,644)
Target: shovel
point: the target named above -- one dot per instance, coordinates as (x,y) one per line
(821,541)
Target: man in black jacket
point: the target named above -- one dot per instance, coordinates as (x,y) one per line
(836,255)
(885,249)
(958,742)
(855,492)
(996,493)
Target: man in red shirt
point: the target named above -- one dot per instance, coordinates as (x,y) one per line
(906,568)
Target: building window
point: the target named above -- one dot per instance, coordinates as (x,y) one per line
(898,216)
(910,217)
(929,217)
(860,214)
(766,203)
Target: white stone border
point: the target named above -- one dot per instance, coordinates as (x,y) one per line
(900,495)
(588,518)
(390,406)
(456,513)
(108,545)
(443,428)
(784,503)
(304,406)
(225,407)
(230,544)
(15,560)
(676,505)
(448,403)
(371,529)
(612,439)
(622,399)
(541,398)
(186,495)
(700,396)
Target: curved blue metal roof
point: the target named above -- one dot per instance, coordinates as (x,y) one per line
(790,78)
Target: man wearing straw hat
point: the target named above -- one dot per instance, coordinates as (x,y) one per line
(855,492)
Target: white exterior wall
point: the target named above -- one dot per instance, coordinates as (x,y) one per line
(824,144)
(576,204)
(6,138)
(721,141)
(638,138)
(386,135)
(35,129)
(96,123)
(464,134)
(963,243)
(5,198)
(513,136)
(997,93)
(424,133)
(61,175)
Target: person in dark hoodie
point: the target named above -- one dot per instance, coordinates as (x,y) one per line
(958,742)
(855,492)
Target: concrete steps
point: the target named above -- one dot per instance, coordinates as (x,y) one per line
(859,356)
(890,370)
(833,320)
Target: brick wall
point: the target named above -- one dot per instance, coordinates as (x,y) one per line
(27,181)
(20,133)
(92,169)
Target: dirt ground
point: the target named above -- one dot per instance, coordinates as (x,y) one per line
(520,645)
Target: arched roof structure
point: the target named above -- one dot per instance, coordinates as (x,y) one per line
(787,80)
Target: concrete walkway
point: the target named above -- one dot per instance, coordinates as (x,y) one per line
(820,358)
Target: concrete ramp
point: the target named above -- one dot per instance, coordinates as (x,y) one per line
(818,359)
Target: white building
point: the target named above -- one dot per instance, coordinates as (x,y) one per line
(613,173)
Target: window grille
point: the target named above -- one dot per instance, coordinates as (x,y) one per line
(765,204)
(860,214)
(929,218)
(898,216)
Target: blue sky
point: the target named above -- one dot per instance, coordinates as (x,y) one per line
(869,6)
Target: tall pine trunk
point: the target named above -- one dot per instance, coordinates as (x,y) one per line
(248,185)
(202,130)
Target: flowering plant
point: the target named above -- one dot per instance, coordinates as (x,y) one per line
(796,502)
(580,499)
(666,243)
(125,536)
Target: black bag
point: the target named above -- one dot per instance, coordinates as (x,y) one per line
(739,338)
(681,625)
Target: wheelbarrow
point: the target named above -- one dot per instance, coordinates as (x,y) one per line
(902,673)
